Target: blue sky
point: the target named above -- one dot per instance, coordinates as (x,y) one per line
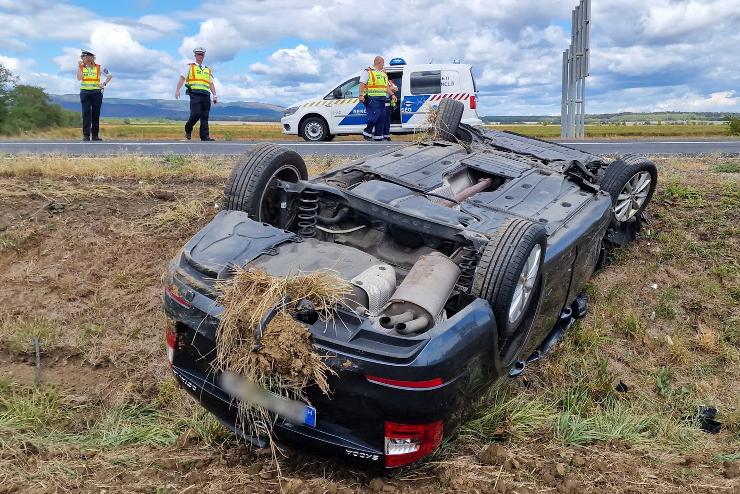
(647,56)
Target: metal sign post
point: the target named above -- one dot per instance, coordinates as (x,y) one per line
(575,71)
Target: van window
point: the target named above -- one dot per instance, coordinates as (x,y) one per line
(349,89)
(426,82)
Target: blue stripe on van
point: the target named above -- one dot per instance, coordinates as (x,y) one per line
(411,105)
(356,116)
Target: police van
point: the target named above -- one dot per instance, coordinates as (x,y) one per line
(422,87)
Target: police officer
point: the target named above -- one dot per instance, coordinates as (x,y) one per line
(374,93)
(91,94)
(199,86)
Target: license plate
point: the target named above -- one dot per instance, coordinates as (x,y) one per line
(245,390)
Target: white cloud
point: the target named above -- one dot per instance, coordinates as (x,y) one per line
(295,61)
(219,37)
(10,63)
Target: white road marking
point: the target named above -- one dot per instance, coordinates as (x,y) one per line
(92,145)
(616,143)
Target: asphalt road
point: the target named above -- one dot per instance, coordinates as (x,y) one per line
(353,148)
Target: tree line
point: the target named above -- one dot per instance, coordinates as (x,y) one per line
(25,108)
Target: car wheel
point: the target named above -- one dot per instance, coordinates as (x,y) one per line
(449,113)
(314,129)
(509,274)
(630,181)
(252,185)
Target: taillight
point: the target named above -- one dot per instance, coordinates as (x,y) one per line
(473,104)
(406,443)
(428,384)
(171,337)
(174,294)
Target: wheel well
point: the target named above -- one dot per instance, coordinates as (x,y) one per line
(307,116)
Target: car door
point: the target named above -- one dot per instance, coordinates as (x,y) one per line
(418,87)
(348,114)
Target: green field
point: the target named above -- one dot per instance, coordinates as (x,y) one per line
(150,130)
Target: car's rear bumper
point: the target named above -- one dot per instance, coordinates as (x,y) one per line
(434,383)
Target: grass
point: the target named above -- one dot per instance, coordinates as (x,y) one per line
(18,335)
(174,131)
(675,346)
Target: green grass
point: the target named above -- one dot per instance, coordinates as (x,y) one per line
(729,167)
(32,409)
(18,335)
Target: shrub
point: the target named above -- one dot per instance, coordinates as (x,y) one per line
(733,125)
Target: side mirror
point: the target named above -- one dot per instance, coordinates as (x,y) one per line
(337,93)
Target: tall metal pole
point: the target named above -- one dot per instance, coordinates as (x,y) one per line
(575,70)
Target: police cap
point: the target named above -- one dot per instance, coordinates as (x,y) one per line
(200,50)
(86,53)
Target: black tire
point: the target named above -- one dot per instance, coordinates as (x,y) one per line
(330,137)
(251,185)
(499,270)
(449,114)
(618,174)
(314,129)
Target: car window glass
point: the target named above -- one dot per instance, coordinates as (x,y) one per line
(426,82)
(349,89)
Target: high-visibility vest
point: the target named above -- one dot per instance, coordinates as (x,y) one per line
(377,83)
(199,78)
(90,78)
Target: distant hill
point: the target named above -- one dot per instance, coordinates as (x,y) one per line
(176,110)
(614,117)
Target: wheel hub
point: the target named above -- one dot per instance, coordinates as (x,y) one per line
(525,285)
(633,196)
(314,131)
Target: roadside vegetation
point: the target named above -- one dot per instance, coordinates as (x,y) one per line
(28,108)
(143,130)
(83,244)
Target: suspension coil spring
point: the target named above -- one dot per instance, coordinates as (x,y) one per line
(468,263)
(308,210)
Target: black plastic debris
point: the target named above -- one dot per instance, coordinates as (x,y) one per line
(621,387)
(705,419)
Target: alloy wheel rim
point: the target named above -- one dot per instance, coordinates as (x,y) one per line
(633,196)
(525,285)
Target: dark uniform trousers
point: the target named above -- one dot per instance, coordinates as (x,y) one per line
(200,107)
(91,103)
(375,106)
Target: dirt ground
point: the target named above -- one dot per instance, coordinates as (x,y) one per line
(81,258)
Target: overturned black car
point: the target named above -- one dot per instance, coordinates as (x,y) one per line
(466,254)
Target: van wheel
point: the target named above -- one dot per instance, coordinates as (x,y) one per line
(509,274)
(314,129)
(449,114)
(252,185)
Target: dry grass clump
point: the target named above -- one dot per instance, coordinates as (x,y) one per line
(286,353)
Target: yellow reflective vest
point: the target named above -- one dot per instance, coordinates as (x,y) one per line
(199,78)
(90,78)
(377,83)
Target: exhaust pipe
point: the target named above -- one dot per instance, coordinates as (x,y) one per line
(412,326)
(391,321)
(474,189)
(420,298)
